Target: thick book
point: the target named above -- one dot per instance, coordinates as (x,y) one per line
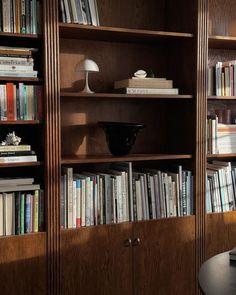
(13,148)
(18,159)
(32,74)
(144,83)
(16,153)
(133,90)
(15,181)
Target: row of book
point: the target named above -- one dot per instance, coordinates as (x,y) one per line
(222,79)
(84,12)
(21,206)
(17,62)
(21,102)
(220,186)
(17,154)
(221,138)
(20,16)
(145,85)
(121,194)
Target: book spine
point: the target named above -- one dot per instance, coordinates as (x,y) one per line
(10,101)
(17,213)
(18,159)
(22,213)
(41,211)
(36,211)
(27,213)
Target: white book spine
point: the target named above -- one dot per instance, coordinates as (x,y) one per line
(83,204)
(170,91)
(18,159)
(74,205)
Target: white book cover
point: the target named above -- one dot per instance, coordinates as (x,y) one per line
(134,90)
(74,205)
(139,200)
(2,232)
(153,200)
(18,159)
(93,12)
(67,11)
(74,16)
(78,202)
(9,213)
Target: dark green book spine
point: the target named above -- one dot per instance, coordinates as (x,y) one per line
(22,213)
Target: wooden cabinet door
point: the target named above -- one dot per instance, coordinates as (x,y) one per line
(96,260)
(164,260)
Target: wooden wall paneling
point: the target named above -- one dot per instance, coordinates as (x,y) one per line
(221,232)
(95,260)
(136,14)
(222,17)
(52,157)
(164,261)
(23,265)
(201,104)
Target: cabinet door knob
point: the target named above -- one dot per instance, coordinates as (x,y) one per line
(128,242)
(136,242)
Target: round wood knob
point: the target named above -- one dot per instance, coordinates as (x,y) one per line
(128,242)
(136,242)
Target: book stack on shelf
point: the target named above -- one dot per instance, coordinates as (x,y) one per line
(222,79)
(20,16)
(17,154)
(21,206)
(122,194)
(221,138)
(145,85)
(20,102)
(84,12)
(221,186)
(232,254)
(17,62)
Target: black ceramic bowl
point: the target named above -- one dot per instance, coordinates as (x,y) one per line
(120,136)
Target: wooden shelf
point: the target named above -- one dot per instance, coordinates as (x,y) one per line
(214,97)
(20,35)
(110,159)
(21,122)
(75,31)
(124,96)
(23,79)
(24,236)
(22,164)
(222,42)
(213,156)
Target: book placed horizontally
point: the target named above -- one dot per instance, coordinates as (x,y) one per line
(232,254)
(145,85)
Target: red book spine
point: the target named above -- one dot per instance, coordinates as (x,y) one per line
(10,102)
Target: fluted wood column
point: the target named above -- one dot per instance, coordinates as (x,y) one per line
(201,109)
(52,157)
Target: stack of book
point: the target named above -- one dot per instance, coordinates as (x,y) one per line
(17,154)
(21,102)
(84,12)
(221,138)
(221,186)
(21,206)
(222,79)
(232,254)
(20,16)
(121,194)
(154,86)
(17,62)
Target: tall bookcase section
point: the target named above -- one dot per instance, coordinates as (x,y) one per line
(220,227)
(23,258)
(158,36)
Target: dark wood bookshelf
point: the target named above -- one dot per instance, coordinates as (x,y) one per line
(21,122)
(109,159)
(124,96)
(19,35)
(213,156)
(214,97)
(21,79)
(24,236)
(222,42)
(20,164)
(75,31)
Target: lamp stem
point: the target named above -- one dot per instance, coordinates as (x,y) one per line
(86,87)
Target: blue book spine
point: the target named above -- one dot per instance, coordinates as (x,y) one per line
(27,213)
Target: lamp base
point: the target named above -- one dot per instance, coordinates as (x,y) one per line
(86,87)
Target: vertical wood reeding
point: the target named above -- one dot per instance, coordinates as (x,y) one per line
(201,108)
(52,142)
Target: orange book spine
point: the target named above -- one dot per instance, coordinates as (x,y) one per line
(10,102)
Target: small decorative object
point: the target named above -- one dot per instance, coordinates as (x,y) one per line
(11,139)
(120,136)
(140,74)
(151,74)
(87,66)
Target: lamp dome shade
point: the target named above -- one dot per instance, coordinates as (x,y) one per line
(87,65)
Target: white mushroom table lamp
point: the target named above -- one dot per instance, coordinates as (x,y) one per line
(87,66)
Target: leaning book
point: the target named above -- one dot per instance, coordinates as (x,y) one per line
(232,254)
